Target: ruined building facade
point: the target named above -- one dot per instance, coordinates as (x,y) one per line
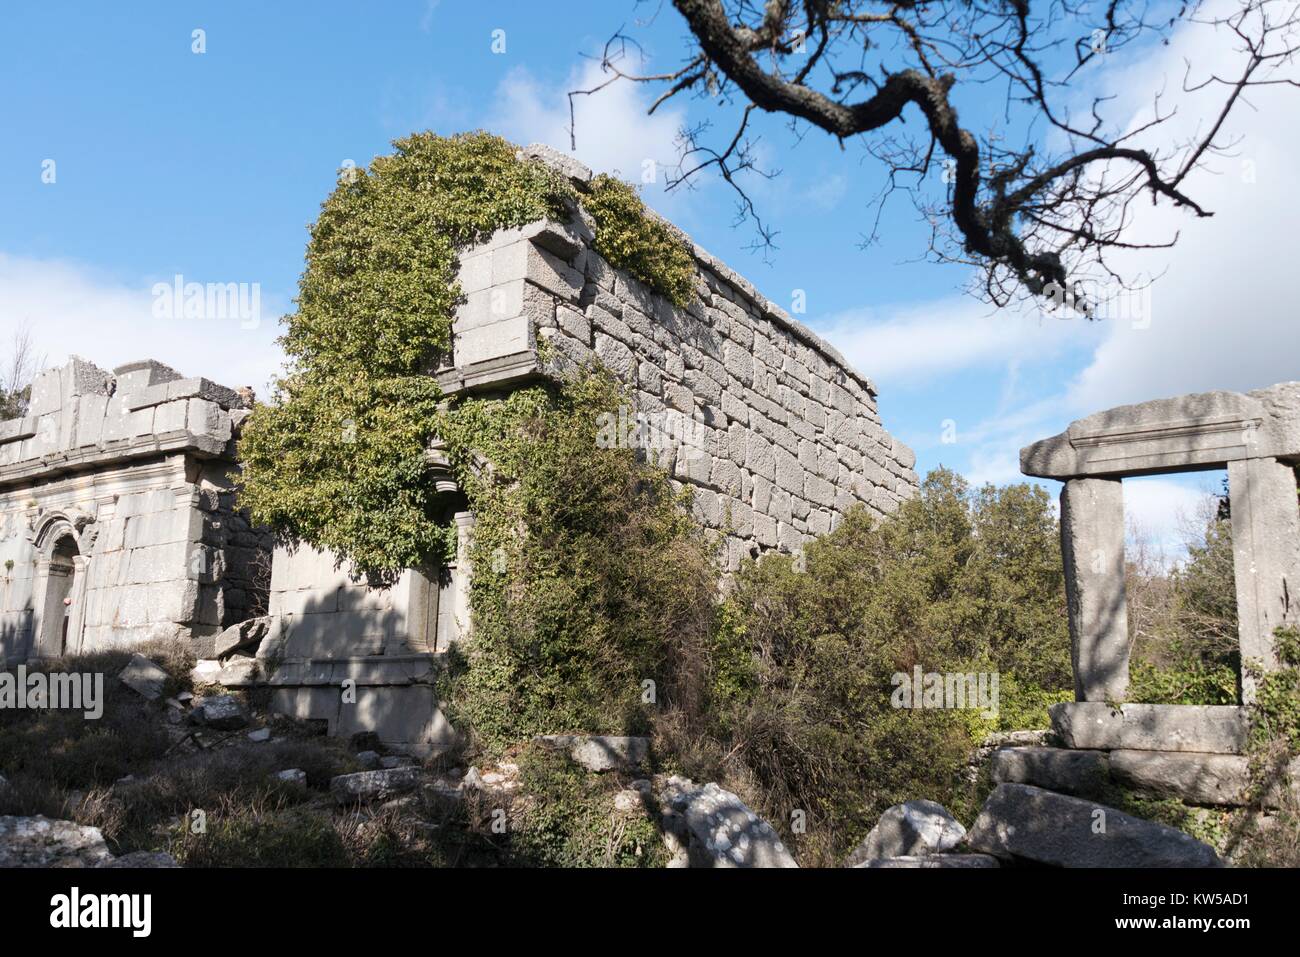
(773,431)
(117,517)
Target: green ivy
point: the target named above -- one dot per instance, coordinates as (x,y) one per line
(632,239)
(337,459)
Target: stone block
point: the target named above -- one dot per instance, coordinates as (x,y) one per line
(1082,773)
(1023,822)
(1213,779)
(1092,545)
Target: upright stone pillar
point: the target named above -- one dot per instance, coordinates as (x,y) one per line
(1265,557)
(1092,546)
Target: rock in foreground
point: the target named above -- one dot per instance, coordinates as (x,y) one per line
(374,785)
(1020,821)
(719,830)
(43,842)
(909,829)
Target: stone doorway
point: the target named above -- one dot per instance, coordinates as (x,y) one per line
(59,615)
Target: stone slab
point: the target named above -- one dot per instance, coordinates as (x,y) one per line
(1084,773)
(1218,729)
(1023,822)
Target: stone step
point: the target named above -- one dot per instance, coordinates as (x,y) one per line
(1215,779)
(1082,773)
(1205,729)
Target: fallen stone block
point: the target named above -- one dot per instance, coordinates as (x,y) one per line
(205,671)
(295,777)
(910,829)
(1021,821)
(365,786)
(1082,773)
(720,830)
(220,712)
(144,677)
(245,636)
(601,752)
(45,842)
(239,673)
(933,861)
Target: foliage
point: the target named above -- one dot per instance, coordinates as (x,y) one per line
(802,662)
(1195,683)
(338,459)
(569,819)
(589,576)
(634,240)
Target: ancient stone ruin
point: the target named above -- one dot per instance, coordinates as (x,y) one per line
(116,488)
(1195,753)
(118,513)
(773,430)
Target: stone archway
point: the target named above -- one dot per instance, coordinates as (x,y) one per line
(63,540)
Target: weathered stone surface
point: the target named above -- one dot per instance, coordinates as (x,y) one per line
(933,861)
(144,677)
(718,829)
(141,860)
(44,842)
(910,829)
(601,752)
(1020,821)
(365,786)
(1092,548)
(245,636)
(1083,773)
(1214,779)
(240,673)
(295,777)
(1220,729)
(1266,558)
(1185,432)
(220,712)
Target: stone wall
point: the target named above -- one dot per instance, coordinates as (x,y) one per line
(116,495)
(777,434)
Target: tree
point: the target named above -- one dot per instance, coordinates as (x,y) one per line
(1036,200)
(17,374)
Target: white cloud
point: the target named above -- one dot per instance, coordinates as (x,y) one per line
(907,346)
(1223,312)
(71,308)
(614,132)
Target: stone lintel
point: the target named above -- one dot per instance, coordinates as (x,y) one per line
(1216,729)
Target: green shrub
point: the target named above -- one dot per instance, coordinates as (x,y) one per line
(568,818)
(590,578)
(632,239)
(802,662)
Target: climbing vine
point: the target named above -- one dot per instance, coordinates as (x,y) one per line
(337,459)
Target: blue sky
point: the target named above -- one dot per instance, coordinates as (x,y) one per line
(212,165)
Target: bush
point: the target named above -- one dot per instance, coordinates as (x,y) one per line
(568,819)
(590,578)
(801,666)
